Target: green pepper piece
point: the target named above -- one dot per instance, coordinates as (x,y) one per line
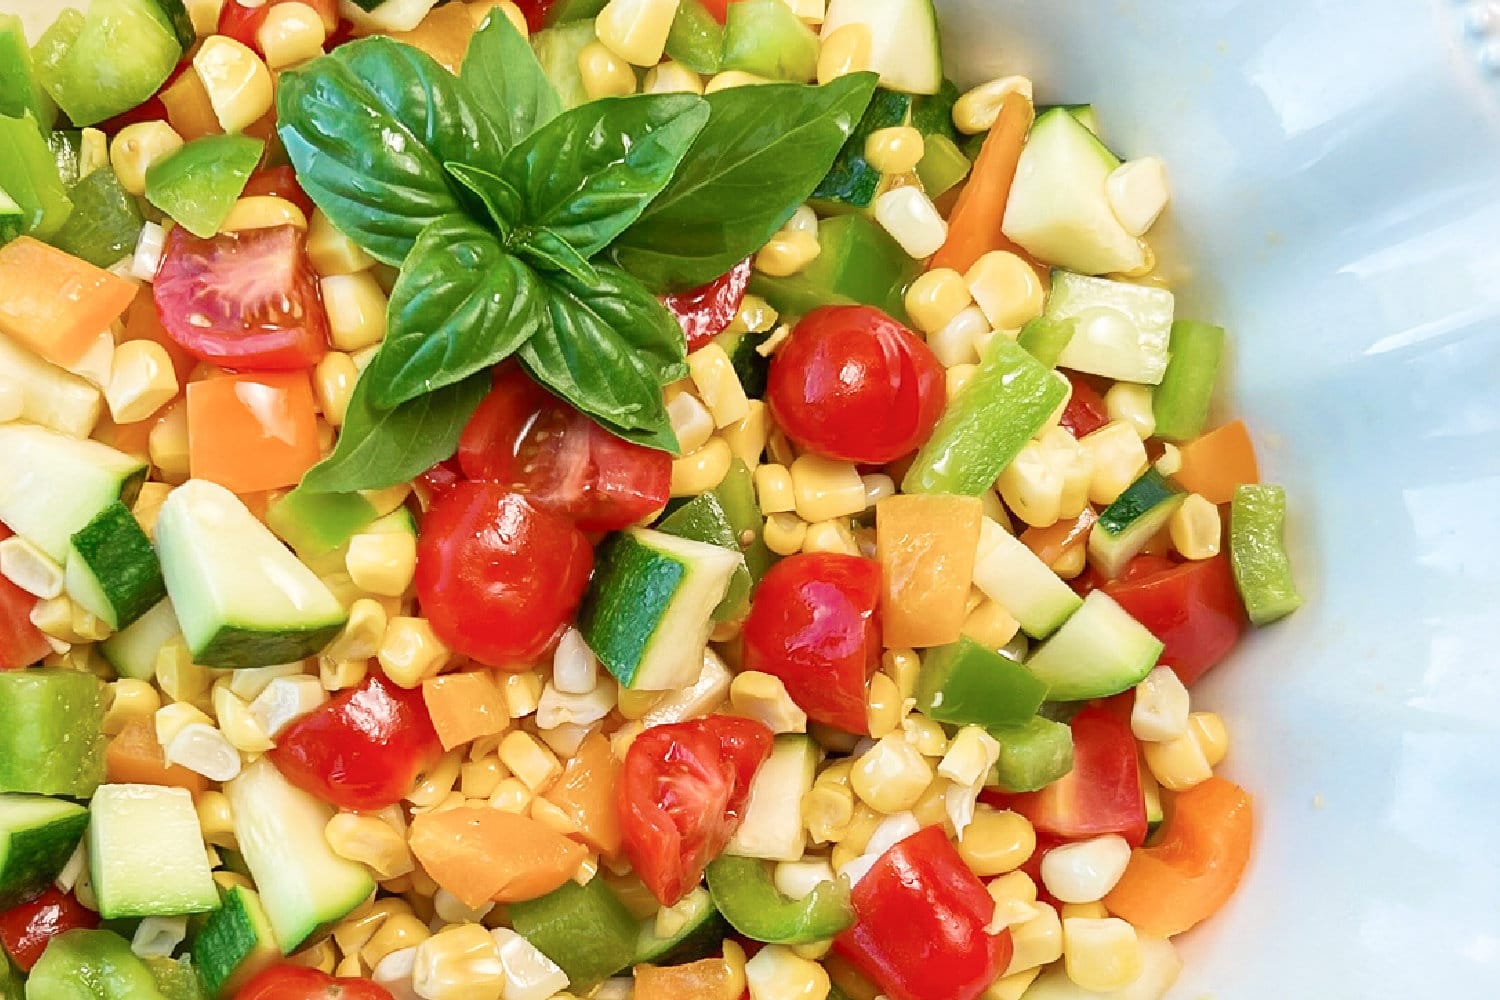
(51,737)
(965,683)
(109,61)
(942,167)
(199,184)
(90,965)
(1045,339)
(766,38)
(744,893)
(176,979)
(28,173)
(1008,400)
(1032,755)
(737,496)
(585,929)
(696,39)
(105,224)
(564,11)
(1257,551)
(21,92)
(702,519)
(1180,403)
(860,264)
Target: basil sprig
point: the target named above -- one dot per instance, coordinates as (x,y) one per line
(495,203)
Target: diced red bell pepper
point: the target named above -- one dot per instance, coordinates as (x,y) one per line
(26,929)
(1102,794)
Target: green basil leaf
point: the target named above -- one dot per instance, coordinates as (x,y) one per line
(460,305)
(550,252)
(368,128)
(590,172)
(501,201)
(507,82)
(379,448)
(609,349)
(763,152)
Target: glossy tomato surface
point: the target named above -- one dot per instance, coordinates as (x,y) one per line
(919,932)
(1194,608)
(295,982)
(26,929)
(853,384)
(499,578)
(706,311)
(682,794)
(531,442)
(242,300)
(1102,794)
(21,642)
(1085,412)
(363,748)
(813,624)
(280,182)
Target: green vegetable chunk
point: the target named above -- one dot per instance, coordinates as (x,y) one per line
(235,943)
(28,174)
(199,184)
(51,740)
(37,836)
(108,61)
(736,495)
(1257,551)
(766,38)
(744,893)
(176,979)
(1180,403)
(91,965)
(105,223)
(858,264)
(696,39)
(965,683)
(1032,755)
(1045,338)
(703,519)
(21,92)
(702,933)
(585,929)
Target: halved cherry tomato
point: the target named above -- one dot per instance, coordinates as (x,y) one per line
(498,578)
(813,625)
(243,300)
(1102,794)
(26,929)
(920,929)
(361,750)
(533,443)
(1085,412)
(706,311)
(1194,608)
(280,182)
(853,384)
(681,796)
(297,982)
(21,643)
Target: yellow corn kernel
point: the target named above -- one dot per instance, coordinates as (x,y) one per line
(54,618)
(878,486)
(521,692)
(382,563)
(341,675)
(136,148)
(718,386)
(691,422)
(363,633)
(996,842)
(1212,735)
(932,808)
(1084,911)
(396,932)
(331,252)
(168,444)
(672,78)
(458,963)
(1178,764)
(1170,462)
(1119,458)
(262,212)
(763,697)
(778,973)
(1070,563)
(636,30)
(732,78)
(831,536)
(847,50)
(895,150)
(93,151)
(1011,987)
(773,489)
(827,811)
(226,880)
(803,220)
(884,707)
(291,33)
(1132,403)
(369,841)
(128,699)
(320,956)
(701,471)
(746,437)
(141,381)
(216,819)
(177,675)
(955,343)
(1015,900)
(635,704)
(1100,955)
(433,786)
(351,967)
(1036,942)
(239,727)
(147,506)
(977,110)
(925,735)
(912,220)
(356,310)
(511,796)
(12,400)
(410,652)
(1195,528)
(477,779)
(238,83)
(891,776)
(902,666)
(991,625)
(787,253)
(756,315)
(174,718)
(528,760)
(1006,288)
(604,74)
(784,533)
(935,298)
(957,378)
(353,932)
(824,488)
(333,385)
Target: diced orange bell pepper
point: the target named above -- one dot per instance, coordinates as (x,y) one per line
(586,793)
(1214,464)
(444,34)
(134,757)
(252,432)
(189,110)
(1052,543)
(1193,867)
(710,979)
(481,854)
(54,303)
(465,706)
(926,545)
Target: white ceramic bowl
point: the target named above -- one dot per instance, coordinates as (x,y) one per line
(1337,175)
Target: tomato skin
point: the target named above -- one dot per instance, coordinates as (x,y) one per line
(362,749)
(920,928)
(498,578)
(1194,608)
(533,443)
(813,624)
(853,384)
(296,982)
(682,792)
(21,642)
(536,13)
(26,929)
(439,479)
(1102,794)
(1085,412)
(706,311)
(280,182)
(242,300)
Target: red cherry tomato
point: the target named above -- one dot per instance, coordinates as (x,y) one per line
(26,929)
(706,311)
(813,624)
(21,643)
(1194,608)
(1102,794)
(296,982)
(536,12)
(681,796)
(439,479)
(531,442)
(853,384)
(1085,412)
(498,578)
(280,182)
(920,928)
(718,8)
(363,749)
(242,300)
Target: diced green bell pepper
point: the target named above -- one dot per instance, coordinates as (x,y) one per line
(199,184)
(942,167)
(28,173)
(106,221)
(98,65)
(91,965)
(1180,403)
(1045,338)
(1032,755)
(585,929)
(51,736)
(21,92)
(737,496)
(1257,551)
(766,38)
(965,683)
(173,15)
(696,39)
(859,264)
(743,891)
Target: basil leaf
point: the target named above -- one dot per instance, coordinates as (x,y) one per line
(501,201)
(608,350)
(379,448)
(502,72)
(460,305)
(763,152)
(368,129)
(589,173)
(550,252)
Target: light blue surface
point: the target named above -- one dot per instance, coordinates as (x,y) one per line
(1336,176)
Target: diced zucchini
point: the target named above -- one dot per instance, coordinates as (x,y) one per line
(51,397)
(771,824)
(1135,517)
(703,519)
(852,183)
(112,570)
(146,853)
(1012,576)
(235,943)
(1121,331)
(52,486)
(585,929)
(557,51)
(702,933)
(37,836)
(764,37)
(1098,652)
(906,49)
(51,740)
(132,650)
(105,223)
(1045,338)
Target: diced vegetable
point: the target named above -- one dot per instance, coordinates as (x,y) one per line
(967,684)
(108,61)
(56,304)
(1033,754)
(766,38)
(905,48)
(583,928)
(1011,575)
(1216,464)
(585,792)
(858,264)
(105,223)
(481,854)
(702,933)
(51,741)
(252,432)
(1180,403)
(199,183)
(926,547)
(91,963)
(21,92)
(1120,330)
(37,836)
(771,825)
(1257,550)
(744,893)
(146,853)
(696,39)
(29,177)
(134,757)
(1098,652)
(1128,524)
(975,224)
(1045,338)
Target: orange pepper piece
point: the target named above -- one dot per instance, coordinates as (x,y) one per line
(1214,464)
(481,854)
(55,304)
